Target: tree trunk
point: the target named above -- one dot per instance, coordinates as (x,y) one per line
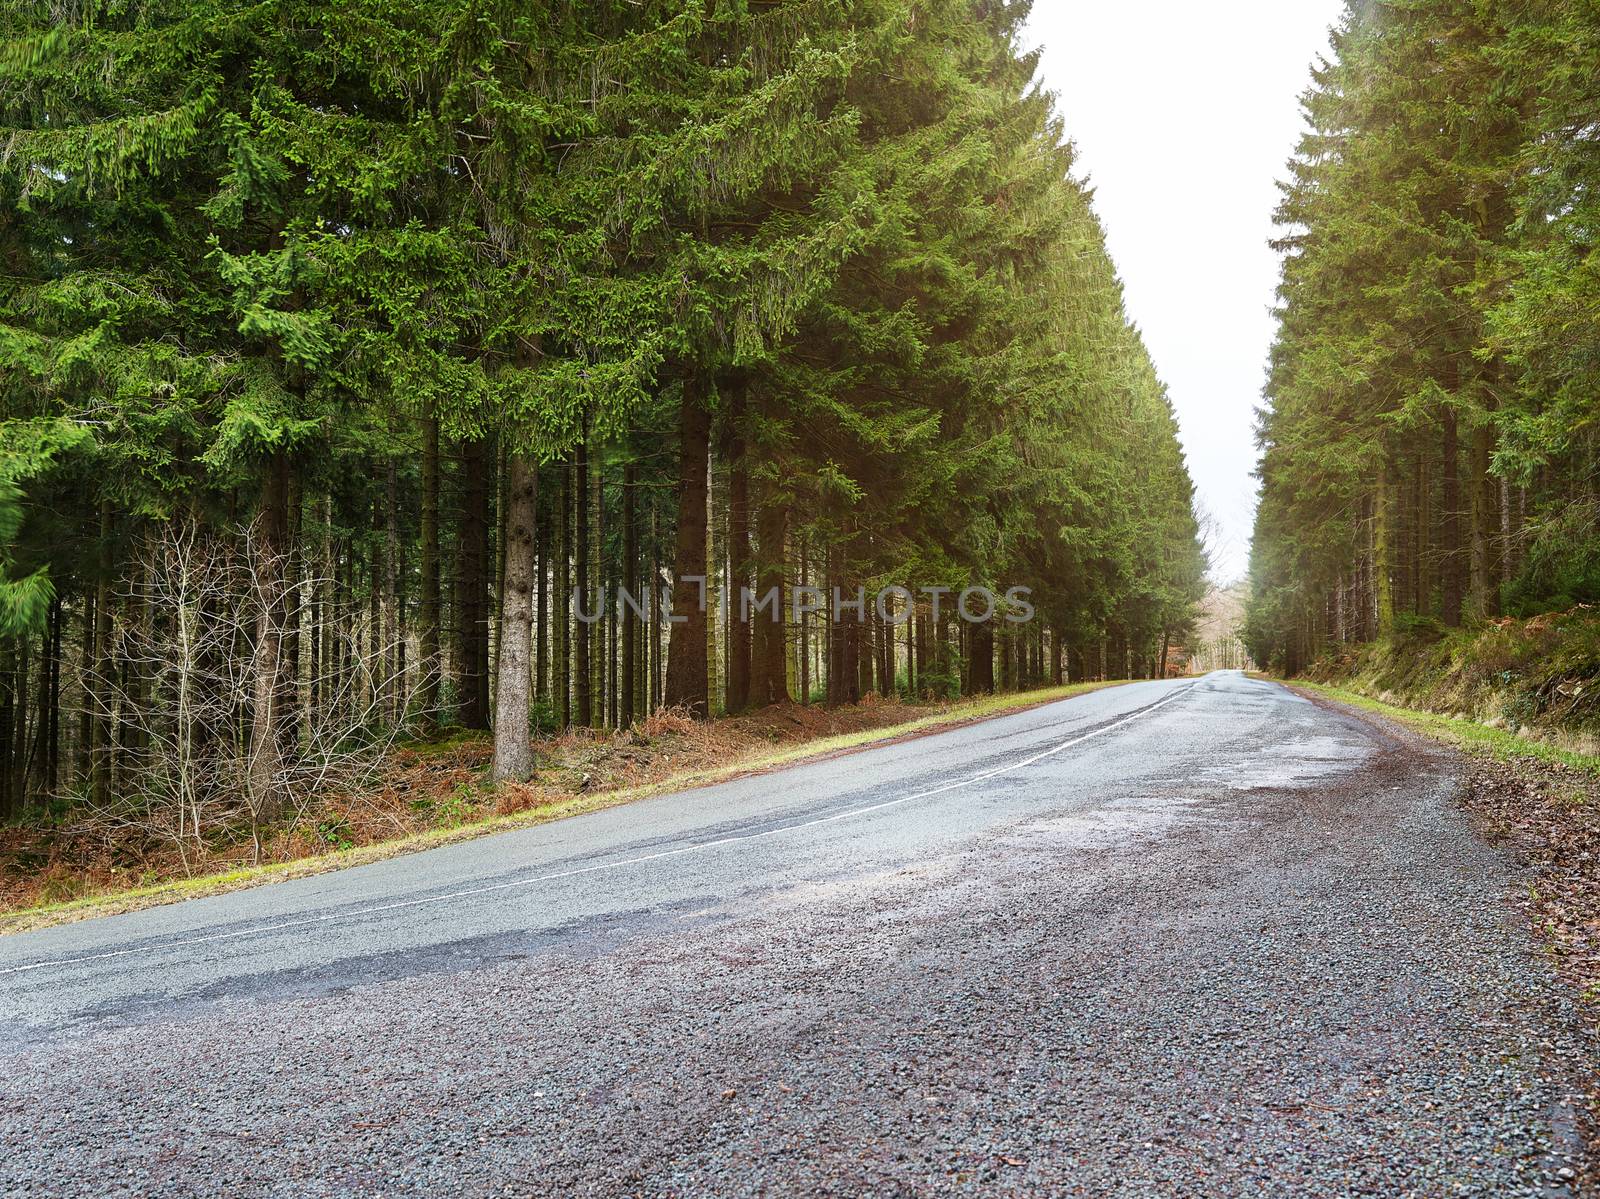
(101,731)
(688,667)
(740,693)
(513,750)
(472,586)
(562,627)
(1484,599)
(428,571)
(393,697)
(1382,569)
(804,672)
(593,583)
(628,692)
(53,762)
(769,682)
(541,645)
(266,762)
(980,667)
(1422,550)
(583,600)
(1450,580)
(656,674)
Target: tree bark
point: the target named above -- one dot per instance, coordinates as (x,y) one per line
(769,681)
(1382,568)
(392,684)
(266,765)
(1484,594)
(541,665)
(583,599)
(1450,575)
(740,693)
(688,667)
(594,583)
(513,749)
(629,698)
(472,586)
(562,582)
(980,668)
(428,571)
(101,730)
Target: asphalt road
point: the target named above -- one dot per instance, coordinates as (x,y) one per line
(1189,938)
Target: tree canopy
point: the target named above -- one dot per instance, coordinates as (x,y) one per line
(1429,441)
(452,317)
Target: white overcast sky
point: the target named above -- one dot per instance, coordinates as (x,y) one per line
(1184,114)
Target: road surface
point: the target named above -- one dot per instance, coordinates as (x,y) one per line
(1187,937)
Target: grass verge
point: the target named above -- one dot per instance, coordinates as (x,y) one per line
(1469,736)
(735,761)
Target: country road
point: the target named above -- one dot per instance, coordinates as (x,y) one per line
(1172,938)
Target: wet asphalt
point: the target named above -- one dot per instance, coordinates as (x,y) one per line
(1173,938)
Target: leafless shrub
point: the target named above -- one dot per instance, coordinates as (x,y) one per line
(183,679)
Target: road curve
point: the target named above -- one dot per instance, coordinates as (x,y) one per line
(1187,937)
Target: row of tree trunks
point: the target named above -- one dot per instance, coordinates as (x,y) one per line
(351,626)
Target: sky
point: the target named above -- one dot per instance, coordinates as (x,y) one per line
(1184,115)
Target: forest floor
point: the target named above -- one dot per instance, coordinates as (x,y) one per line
(1541,803)
(433,793)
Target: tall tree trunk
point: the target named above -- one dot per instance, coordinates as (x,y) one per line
(472,586)
(18,753)
(980,668)
(1382,568)
(1484,597)
(391,595)
(293,714)
(740,693)
(513,749)
(803,673)
(1422,549)
(85,746)
(594,584)
(657,681)
(583,600)
(266,761)
(101,732)
(629,705)
(562,627)
(9,803)
(769,682)
(53,764)
(1450,573)
(688,667)
(541,667)
(1508,537)
(428,602)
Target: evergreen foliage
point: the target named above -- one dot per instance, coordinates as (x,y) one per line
(454,313)
(1429,444)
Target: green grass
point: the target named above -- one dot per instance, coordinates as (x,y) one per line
(1467,735)
(106,903)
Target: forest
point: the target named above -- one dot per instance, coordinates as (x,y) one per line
(352,355)
(1431,453)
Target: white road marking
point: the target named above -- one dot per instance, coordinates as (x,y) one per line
(696,847)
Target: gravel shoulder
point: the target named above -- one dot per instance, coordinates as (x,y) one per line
(1213,981)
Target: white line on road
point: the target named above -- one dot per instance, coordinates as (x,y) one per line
(696,847)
